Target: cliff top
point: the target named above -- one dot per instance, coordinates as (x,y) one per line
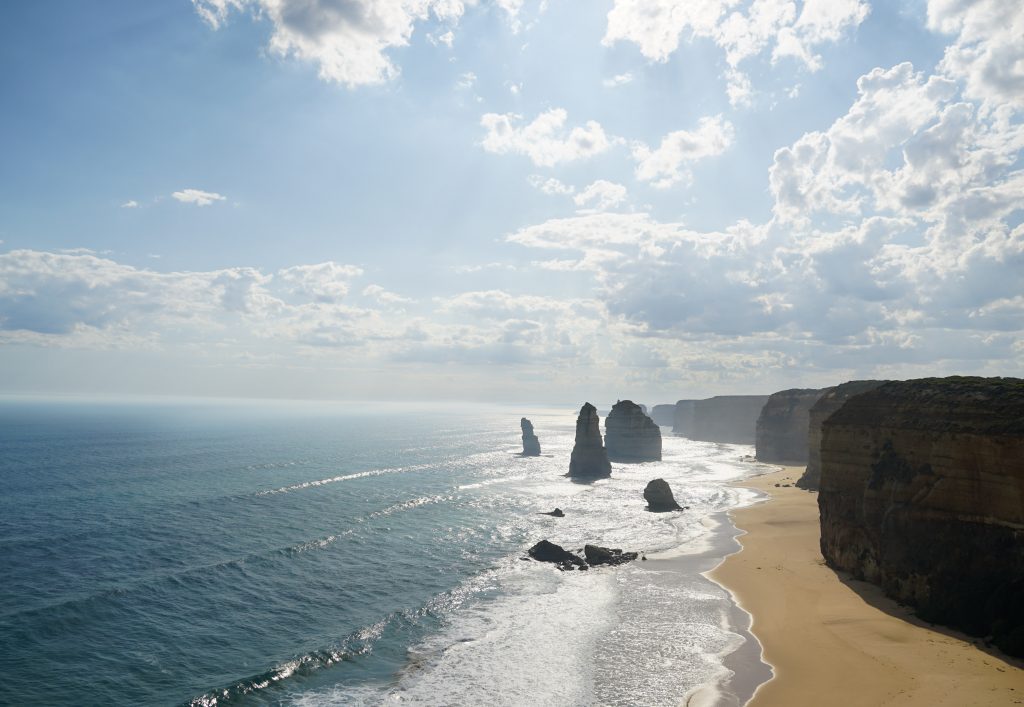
(958,404)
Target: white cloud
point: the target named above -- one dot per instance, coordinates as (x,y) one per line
(323,282)
(197,197)
(601,195)
(550,185)
(665,166)
(466,81)
(378,293)
(347,40)
(130,204)
(618,80)
(545,140)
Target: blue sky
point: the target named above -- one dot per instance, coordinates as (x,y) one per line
(536,201)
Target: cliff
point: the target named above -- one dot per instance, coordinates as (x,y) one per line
(663,415)
(922,492)
(727,418)
(589,458)
(781,432)
(682,417)
(531,445)
(827,404)
(631,436)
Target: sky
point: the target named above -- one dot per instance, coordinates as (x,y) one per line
(507,200)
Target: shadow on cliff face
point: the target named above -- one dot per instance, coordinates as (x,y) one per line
(873,596)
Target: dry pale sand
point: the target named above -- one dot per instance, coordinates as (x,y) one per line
(835,641)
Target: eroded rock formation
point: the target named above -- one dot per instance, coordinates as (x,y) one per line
(589,458)
(658,495)
(782,426)
(727,418)
(546,551)
(828,403)
(682,417)
(531,445)
(597,555)
(631,436)
(664,415)
(922,492)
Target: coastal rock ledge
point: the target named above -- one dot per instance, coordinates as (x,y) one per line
(630,435)
(589,458)
(531,445)
(922,493)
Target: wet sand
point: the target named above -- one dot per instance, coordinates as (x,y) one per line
(833,640)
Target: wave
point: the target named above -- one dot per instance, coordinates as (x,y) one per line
(345,477)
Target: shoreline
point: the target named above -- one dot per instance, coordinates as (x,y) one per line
(823,633)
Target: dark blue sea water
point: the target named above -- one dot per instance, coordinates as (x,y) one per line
(272,553)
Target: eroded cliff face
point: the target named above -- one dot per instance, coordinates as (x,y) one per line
(631,436)
(922,492)
(827,404)
(682,417)
(664,415)
(782,426)
(589,458)
(727,418)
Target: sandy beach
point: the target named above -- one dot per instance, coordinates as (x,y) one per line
(832,640)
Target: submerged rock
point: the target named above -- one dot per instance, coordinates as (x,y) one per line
(531,445)
(557,513)
(597,555)
(658,495)
(546,551)
(589,458)
(631,436)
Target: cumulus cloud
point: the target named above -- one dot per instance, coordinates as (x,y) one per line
(666,165)
(197,197)
(130,204)
(545,140)
(656,27)
(378,293)
(618,80)
(323,282)
(349,41)
(601,195)
(550,185)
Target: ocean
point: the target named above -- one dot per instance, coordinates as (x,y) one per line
(266,553)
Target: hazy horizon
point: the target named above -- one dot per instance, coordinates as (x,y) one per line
(511,201)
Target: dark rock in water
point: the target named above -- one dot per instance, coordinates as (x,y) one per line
(597,555)
(531,445)
(631,436)
(827,404)
(589,458)
(663,415)
(922,493)
(782,426)
(545,551)
(557,513)
(658,495)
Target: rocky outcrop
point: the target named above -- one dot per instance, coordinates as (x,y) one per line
(557,513)
(922,493)
(781,433)
(531,445)
(663,415)
(597,555)
(589,458)
(682,417)
(546,551)
(727,418)
(631,436)
(828,403)
(658,495)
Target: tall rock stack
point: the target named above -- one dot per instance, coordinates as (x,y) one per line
(531,445)
(631,436)
(589,458)
(782,426)
(922,493)
(827,404)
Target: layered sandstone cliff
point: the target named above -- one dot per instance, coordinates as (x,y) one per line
(727,418)
(531,445)
(922,492)
(827,404)
(589,458)
(782,426)
(631,436)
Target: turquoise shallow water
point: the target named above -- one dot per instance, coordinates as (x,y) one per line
(270,553)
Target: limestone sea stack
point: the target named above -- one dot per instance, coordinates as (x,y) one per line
(631,436)
(827,404)
(658,495)
(922,493)
(531,445)
(589,458)
(782,426)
